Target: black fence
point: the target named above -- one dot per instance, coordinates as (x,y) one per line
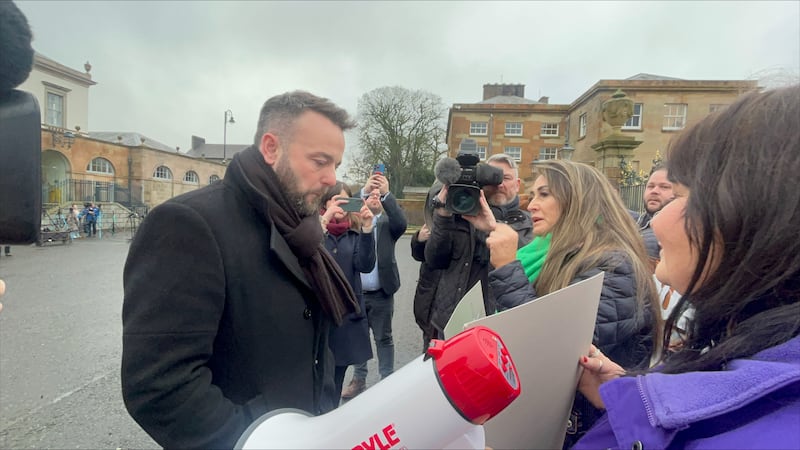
(82,191)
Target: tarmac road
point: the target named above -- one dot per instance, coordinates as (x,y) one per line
(60,344)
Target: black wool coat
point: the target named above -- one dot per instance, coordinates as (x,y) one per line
(220,325)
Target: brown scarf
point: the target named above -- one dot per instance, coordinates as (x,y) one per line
(303,234)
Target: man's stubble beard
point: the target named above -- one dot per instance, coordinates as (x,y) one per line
(289,182)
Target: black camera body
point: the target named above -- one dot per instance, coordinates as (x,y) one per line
(463,196)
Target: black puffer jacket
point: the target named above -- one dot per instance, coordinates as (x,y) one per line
(622,329)
(650,241)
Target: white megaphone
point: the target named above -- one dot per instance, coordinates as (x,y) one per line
(439,400)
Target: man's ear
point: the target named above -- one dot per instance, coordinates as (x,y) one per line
(269,148)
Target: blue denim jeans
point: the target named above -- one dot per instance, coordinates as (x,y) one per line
(380,311)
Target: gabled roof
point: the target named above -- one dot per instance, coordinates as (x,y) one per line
(130,139)
(215,151)
(507,100)
(649,76)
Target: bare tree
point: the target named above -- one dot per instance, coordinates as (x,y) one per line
(402,129)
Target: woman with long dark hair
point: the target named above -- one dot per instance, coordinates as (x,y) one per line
(730,244)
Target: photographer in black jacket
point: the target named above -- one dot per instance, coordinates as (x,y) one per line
(455,254)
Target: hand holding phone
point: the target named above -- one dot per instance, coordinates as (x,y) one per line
(352,204)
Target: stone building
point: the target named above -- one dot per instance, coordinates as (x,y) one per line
(505,121)
(122,168)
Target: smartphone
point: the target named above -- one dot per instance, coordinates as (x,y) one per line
(379,168)
(353,204)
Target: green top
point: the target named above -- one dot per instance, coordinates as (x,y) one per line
(532,256)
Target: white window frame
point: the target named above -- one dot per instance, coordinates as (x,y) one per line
(549,129)
(582,126)
(514,152)
(635,121)
(101,166)
(482,152)
(52,116)
(478,128)
(714,107)
(162,172)
(546,153)
(191,177)
(513,128)
(674,116)
(213,178)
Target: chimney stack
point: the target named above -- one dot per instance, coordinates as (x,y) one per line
(494,90)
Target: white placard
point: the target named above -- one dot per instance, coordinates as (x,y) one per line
(469,308)
(545,338)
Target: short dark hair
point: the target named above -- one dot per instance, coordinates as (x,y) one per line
(742,212)
(279,112)
(656,167)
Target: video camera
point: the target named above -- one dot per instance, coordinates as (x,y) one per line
(463,196)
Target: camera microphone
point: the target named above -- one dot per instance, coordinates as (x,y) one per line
(447,171)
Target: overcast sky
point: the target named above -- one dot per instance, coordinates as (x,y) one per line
(169,70)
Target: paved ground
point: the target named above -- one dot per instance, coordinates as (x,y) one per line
(60,339)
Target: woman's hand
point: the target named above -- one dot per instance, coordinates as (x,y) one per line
(502,244)
(366,219)
(329,213)
(424,233)
(597,369)
(484,220)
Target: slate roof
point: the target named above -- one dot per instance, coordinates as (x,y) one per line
(131,139)
(649,76)
(214,151)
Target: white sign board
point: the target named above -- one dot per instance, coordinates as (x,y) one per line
(545,338)
(469,308)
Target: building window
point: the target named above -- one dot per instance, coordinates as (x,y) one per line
(582,125)
(482,152)
(712,108)
(162,173)
(213,179)
(635,121)
(674,116)
(514,152)
(478,128)
(100,165)
(549,129)
(548,153)
(513,128)
(191,177)
(54,115)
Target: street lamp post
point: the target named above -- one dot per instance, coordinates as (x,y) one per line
(567,151)
(225,134)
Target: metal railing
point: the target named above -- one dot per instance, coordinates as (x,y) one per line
(81,191)
(633,197)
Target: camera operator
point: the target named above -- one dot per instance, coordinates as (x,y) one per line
(458,251)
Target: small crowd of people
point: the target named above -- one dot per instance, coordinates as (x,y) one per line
(260,291)
(88,218)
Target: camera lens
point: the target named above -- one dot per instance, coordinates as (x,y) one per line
(464,200)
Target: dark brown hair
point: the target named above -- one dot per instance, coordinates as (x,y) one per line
(279,113)
(743,212)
